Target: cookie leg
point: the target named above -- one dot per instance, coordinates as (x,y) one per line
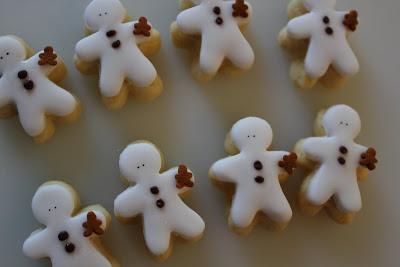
(315,192)
(278,210)
(242,212)
(188,224)
(111,81)
(316,62)
(242,55)
(208,65)
(156,235)
(347,202)
(60,102)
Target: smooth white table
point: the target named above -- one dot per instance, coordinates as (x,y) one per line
(189,122)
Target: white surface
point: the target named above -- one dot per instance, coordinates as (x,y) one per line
(189,122)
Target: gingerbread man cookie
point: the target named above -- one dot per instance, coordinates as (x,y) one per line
(214,29)
(317,37)
(28,88)
(157,198)
(70,238)
(256,174)
(335,162)
(118,51)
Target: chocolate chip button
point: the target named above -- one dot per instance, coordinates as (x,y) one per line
(22,74)
(62,236)
(116,44)
(329,30)
(69,247)
(258,165)
(219,21)
(29,85)
(111,33)
(154,190)
(259,180)
(343,150)
(217,10)
(326,20)
(160,203)
(341,161)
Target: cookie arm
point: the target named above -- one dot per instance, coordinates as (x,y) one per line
(88,49)
(82,218)
(45,69)
(242,21)
(225,170)
(190,21)
(301,27)
(315,148)
(35,246)
(129,203)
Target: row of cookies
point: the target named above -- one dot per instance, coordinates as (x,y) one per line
(335,164)
(118,51)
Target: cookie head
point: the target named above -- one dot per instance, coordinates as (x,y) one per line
(343,121)
(251,133)
(52,202)
(320,4)
(103,13)
(140,160)
(11,52)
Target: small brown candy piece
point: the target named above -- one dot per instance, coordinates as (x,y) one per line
(116,44)
(22,74)
(48,57)
(341,161)
(368,159)
(62,236)
(219,21)
(29,85)
(111,33)
(183,177)
(259,179)
(69,248)
(160,203)
(258,165)
(350,20)
(217,10)
(154,190)
(240,9)
(289,163)
(343,150)
(329,30)
(142,27)
(92,225)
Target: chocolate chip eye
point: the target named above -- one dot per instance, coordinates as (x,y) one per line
(49,210)
(105,13)
(100,14)
(254,136)
(1,57)
(341,122)
(347,124)
(143,164)
(138,167)
(8,53)
(55,207)
(248,136)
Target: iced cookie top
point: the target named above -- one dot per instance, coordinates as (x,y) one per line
(327,30)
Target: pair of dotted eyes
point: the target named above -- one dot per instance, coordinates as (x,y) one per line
(8,53)
(140,166)
(55,207)
(254,136)
(101,14)
(344,123)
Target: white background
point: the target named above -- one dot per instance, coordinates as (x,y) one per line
(189,122)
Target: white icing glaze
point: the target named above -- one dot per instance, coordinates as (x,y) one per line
(53,206)
(252,136)
(342,124)
(218,41)
(324,49)
(127,61)
(45,98)
(140,163)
